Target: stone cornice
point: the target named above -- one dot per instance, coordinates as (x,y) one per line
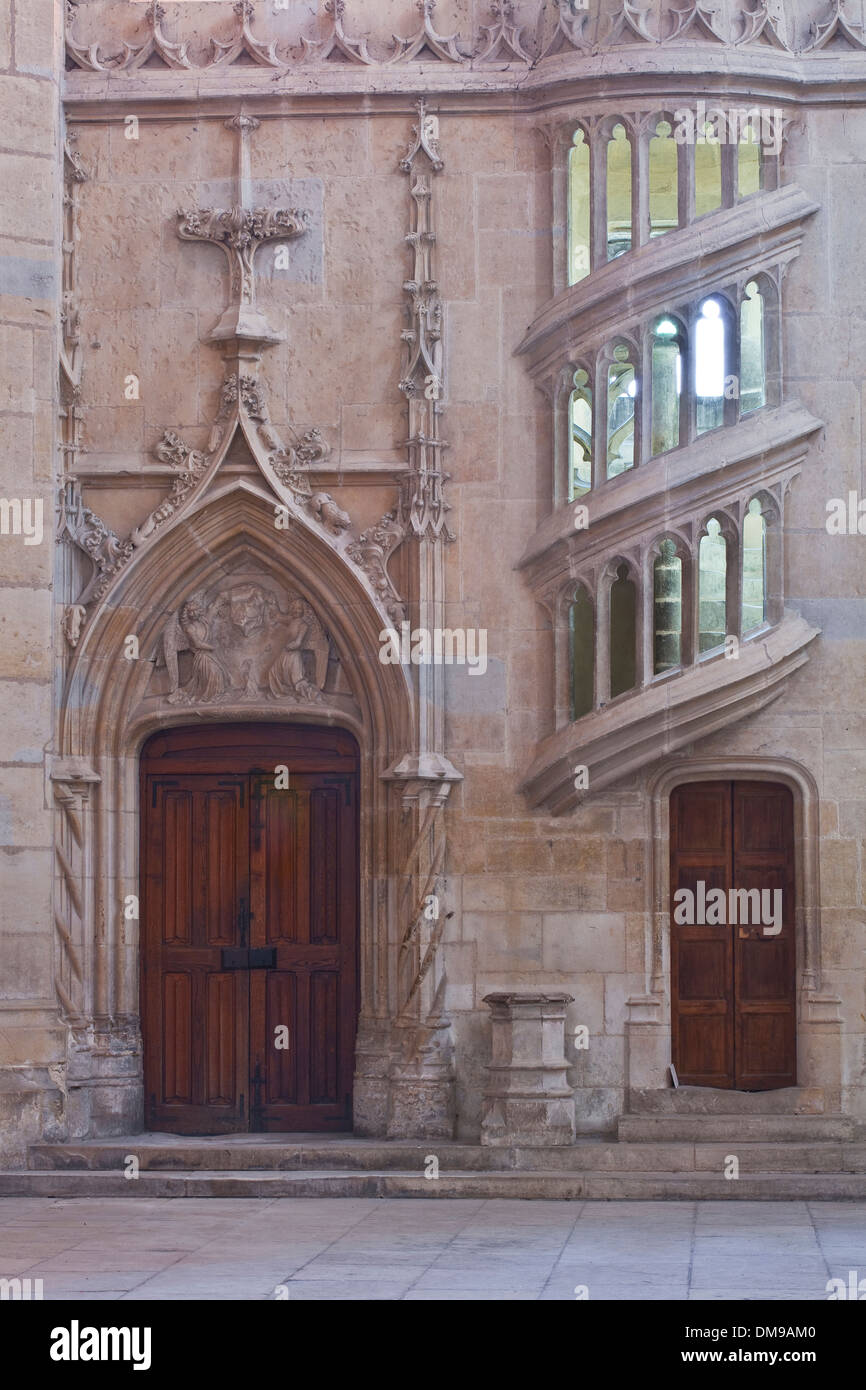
(641,728)
(151,52)
(762,449)
(758,233)
(764,75)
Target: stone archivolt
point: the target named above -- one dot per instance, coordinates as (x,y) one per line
(799,30)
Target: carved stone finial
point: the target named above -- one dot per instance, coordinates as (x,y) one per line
(425,137)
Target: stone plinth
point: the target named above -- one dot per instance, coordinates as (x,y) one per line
(528,1099)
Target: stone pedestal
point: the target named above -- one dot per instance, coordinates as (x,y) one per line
(528,1099)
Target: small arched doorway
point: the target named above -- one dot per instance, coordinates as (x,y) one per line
(733,935)
(249,913)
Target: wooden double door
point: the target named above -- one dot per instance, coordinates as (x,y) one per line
(733,995)
(250,926)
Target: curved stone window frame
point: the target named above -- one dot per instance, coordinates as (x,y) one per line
(583,129)
(729,530)
(774,604)
(686,540)
(650,337)
(683,553)
(645,191)
(768,288)
(640,127)
(605,138)
(605,361)
(603,631)
(729,314)
(574,592)
(640,344)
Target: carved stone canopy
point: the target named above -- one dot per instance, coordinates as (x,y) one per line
(247,638)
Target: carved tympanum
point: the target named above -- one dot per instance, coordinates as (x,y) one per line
(247,638)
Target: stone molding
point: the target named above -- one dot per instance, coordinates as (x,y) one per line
(762,233)
(638,729)
(766,448)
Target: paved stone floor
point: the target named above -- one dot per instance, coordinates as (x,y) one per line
(342,1248)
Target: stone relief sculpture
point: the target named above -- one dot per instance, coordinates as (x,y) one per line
(245,640)
(304,637)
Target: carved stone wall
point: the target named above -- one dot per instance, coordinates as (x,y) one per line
(285,309)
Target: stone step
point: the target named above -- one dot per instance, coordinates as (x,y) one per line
(740,1129)
(704,1100)
(539,1184)
(353,1155)
(260,1152)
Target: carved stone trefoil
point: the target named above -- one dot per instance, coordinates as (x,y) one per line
(570,30)
(337,41)
(503,38)
(426,38)
(836,22)
(244,41)
(174,55)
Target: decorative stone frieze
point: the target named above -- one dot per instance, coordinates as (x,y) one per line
(527,1098)
(572,31)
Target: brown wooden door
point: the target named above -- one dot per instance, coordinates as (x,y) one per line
(249,914)
(733,980)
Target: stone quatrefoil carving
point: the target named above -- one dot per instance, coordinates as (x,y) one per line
(579,28)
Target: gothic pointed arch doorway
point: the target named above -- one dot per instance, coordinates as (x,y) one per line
(250,897)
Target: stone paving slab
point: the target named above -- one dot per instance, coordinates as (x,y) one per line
(357,1250)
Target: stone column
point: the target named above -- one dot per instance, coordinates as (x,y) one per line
(528,1099)
(32,1036)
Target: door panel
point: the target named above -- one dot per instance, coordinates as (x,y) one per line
(249,922)
(308,913)
(733,985)
(702,956)
(764,963)
(195,878)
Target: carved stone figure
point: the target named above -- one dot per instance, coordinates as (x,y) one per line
(288,675)
(189,631)
(246,640)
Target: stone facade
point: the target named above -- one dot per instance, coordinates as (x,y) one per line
(350,418)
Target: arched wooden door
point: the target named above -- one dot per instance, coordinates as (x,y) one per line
(733,997)
(249,874)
